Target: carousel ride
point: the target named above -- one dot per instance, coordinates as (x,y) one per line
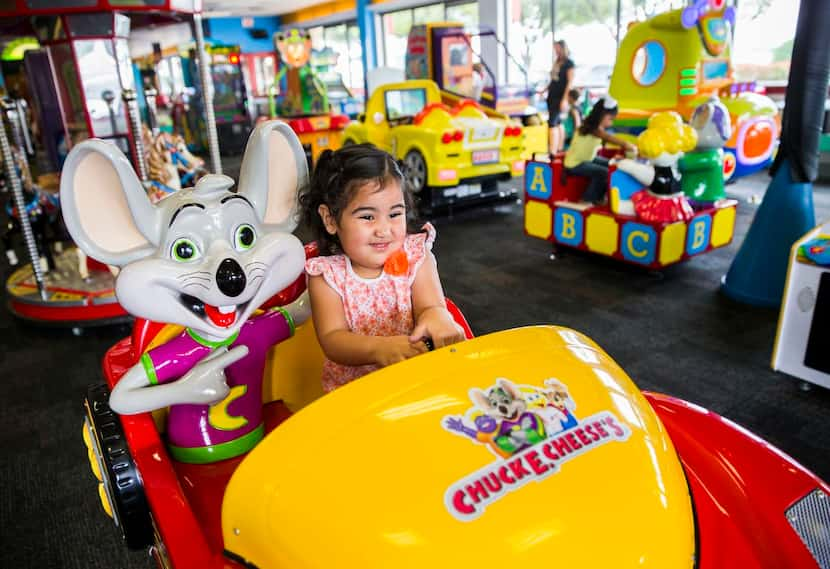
(85,64)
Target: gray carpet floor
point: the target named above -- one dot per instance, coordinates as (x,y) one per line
(672,332)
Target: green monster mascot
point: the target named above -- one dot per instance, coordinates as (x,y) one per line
(702,169)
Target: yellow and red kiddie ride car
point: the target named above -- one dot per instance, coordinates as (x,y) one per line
(443,52)
(512,449)
(441,147)
(676,61)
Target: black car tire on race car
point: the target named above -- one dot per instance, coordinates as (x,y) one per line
(415,171)
(119,474)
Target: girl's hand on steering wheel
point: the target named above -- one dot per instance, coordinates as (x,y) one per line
(393,349)
(437,323)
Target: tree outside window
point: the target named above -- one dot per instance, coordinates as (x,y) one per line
(764,34)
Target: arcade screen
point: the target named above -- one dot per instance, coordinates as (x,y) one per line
(716,69)
(229,90)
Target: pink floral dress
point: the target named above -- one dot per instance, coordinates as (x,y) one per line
(381,306)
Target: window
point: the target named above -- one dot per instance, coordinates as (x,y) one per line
(466,13)
(428,14)
(763,40)
(590,30)
(640,10)
(529,41)
(404,103)
(344,42)
(396,26)
(649,63)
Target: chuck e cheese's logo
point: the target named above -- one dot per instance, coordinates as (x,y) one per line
(531,430)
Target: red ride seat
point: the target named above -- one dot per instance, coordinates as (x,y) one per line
(566,187)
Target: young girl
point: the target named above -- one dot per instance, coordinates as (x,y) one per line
(581,158)
(574,115)
(376,298)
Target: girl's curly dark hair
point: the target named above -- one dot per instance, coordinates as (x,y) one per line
(337,177)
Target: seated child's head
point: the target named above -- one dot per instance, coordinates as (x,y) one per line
(573,96)
(357,204)
(602,115)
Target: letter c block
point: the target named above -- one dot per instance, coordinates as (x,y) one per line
(639,243)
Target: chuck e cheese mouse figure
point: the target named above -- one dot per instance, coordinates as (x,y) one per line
(204,258)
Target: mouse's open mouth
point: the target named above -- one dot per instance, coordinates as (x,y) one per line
(219,316)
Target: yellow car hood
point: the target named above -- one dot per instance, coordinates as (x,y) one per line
(528,447)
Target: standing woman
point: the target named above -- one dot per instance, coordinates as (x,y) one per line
(561,80)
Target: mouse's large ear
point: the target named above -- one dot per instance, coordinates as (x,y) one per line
(273,171)
(105,208)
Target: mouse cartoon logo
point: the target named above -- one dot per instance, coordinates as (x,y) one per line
(204,258)
(532,431)
(501,419)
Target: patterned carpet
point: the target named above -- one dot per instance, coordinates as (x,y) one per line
(672,332)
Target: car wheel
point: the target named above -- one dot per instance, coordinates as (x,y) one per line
(121,489)
(415,171)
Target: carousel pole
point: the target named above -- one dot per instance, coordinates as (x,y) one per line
(152,110)
(207,94)
(16,125)
(134,122)
(23,119)
(20,204)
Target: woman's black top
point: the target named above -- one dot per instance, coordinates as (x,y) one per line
(557,85)
(664,183)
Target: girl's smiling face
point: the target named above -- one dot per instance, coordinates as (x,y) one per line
(371,227)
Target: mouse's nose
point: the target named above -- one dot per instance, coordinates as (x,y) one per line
(230,278)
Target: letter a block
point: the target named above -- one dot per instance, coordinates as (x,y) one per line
(538,180)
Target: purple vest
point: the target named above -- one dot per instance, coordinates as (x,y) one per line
(210,433)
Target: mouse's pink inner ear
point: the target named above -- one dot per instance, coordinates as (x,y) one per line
(283,179)
(96,206)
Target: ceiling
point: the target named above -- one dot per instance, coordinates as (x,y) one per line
(224,8)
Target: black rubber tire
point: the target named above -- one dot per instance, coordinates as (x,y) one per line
(415,171)
(130,509)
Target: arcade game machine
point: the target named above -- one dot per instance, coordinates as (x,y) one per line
(677,60)
(230,100)
(802,338)
(89,67)
(259,70)
(443,52)
(301,98)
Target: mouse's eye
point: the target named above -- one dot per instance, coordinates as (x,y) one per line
(184,250)
(245,237)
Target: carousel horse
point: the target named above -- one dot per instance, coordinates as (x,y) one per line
(171,165)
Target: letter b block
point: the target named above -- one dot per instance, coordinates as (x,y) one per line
(568,227)
(698,235)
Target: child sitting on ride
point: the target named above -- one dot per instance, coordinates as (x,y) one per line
(375,293)
(662,143)
(574,120)
(581,158)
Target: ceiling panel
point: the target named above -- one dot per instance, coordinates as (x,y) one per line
(224,8)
